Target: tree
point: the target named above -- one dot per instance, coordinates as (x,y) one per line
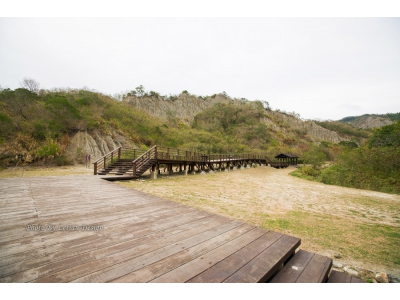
(19,102)
(31,84)
(225,94)
(140,91)
(315,157)
(386,136)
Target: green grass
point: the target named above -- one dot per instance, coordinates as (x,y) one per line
(371,243)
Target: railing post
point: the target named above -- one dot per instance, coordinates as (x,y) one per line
(155,152)
(134,169)
(95,168)
(119,153)
(105,162)
(112,157)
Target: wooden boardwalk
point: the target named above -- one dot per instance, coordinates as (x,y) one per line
(117,234)
(132,163)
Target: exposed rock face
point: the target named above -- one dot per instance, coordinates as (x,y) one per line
(186,106)
(366,122)
(309,127)
(95,144)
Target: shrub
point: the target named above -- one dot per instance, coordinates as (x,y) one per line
(310,171)
(315,157)
(62,160)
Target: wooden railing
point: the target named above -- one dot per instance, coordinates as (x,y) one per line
(165,153)
(115,155)
(227,157)
(132,154)
(140,162)
(107,160)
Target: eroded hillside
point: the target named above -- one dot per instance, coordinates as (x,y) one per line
(61,126)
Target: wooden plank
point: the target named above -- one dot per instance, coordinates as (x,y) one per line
(118,270)
(54,253)
(50,249)
(169,263)
(104,214)
(317,270)
(202,263)
(261,268)
(131,243)
(87,214)
(118,254)
(228,266)
(14,234)
(304,267)
(356,280)
(339,277)
(293,269)
(49,238)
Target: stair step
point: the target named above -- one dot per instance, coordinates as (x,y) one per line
(304,267)
(125,167)
(268,253)
(340,277)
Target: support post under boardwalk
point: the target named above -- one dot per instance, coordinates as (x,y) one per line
(171,171)
(153,173)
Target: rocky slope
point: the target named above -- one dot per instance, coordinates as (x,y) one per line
(186,106)
(367,121)
(308,127)
(94,143)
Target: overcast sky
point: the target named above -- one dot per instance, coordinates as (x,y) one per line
(321,68)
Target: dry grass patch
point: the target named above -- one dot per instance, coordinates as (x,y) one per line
(45,171)
(363,226)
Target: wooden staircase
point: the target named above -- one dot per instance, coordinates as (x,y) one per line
(307,267)
(134,167)
(120,167)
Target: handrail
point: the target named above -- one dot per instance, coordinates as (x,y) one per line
(142,159)
(148,151)
(106,155)
(109,157)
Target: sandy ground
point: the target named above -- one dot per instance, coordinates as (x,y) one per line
(45,171)
(327,218)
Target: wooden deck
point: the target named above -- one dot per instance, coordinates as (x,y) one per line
(138,238)
(145,238)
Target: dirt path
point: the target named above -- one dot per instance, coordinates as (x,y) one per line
(363,226)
